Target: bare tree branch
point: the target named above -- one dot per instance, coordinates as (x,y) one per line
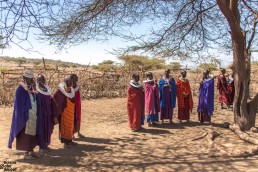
(250,8)
(250,41)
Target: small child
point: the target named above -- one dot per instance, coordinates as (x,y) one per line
(152,104)
(135,103)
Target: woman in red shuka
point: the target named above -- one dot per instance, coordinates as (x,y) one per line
(135,103)
(222,86)
(184,97)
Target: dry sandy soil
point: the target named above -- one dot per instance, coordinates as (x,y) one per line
(109,145)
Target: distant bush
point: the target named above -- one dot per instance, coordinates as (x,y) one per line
(107,65)
(208,66)
(3,69)
(175,65)
(36,63)
(20,61)
(134,62)
(63,65)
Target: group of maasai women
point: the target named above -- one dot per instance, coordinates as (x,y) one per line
(148,100)
(36,111)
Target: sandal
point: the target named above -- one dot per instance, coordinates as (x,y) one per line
(48,149)
(33,154)
(28,157)
(136,129)
(154,124)
(67,146)
(73,143)
(80,135)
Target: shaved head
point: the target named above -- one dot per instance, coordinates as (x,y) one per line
(41,80)
(68,82)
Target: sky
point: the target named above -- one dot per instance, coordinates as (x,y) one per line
(89,53)
(92,52)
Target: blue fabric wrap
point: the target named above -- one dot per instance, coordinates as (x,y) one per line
(152,118)
(172,95)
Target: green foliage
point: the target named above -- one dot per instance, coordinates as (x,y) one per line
(175,65)
(36,63)
(3,69)
(20,60)
(107,65)
(64,65)
(107,62)
(208,66)
(134,62)
(41,66)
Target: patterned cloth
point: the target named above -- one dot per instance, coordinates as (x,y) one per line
(67,120)
(31,124)
(222,86)
(60,102)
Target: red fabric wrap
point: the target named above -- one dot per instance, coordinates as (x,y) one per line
(135,107)
(183,90)
(223,90)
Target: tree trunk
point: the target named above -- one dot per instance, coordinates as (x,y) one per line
(244,112)
(242,77)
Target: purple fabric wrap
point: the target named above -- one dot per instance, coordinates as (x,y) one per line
(45,124)
(206,97)
(22,105)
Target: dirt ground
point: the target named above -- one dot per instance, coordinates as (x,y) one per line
(109,145)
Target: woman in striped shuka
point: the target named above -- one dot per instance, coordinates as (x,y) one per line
(63,111)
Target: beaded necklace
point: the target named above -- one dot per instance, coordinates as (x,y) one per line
(45,91)
(29,89)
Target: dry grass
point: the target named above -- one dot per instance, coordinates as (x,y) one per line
(111,146)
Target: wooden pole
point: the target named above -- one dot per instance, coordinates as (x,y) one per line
(44,63)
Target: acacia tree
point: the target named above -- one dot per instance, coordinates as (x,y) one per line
(20,17)
(139,63)
(244,112)
(208,66)
(181,29)
(175,65)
